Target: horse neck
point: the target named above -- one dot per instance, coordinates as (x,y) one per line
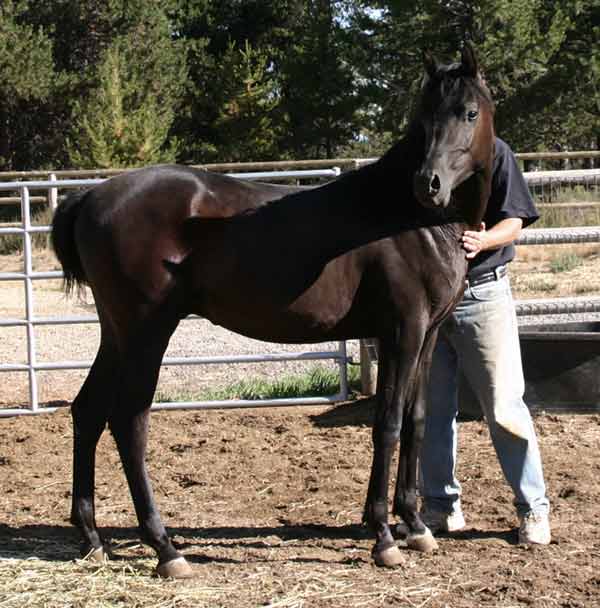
(368,204)
(364,205)
(402,160)
(378,192)
(472,195)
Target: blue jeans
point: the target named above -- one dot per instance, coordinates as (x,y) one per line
(481,339)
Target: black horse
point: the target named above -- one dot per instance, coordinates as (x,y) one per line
(374,253)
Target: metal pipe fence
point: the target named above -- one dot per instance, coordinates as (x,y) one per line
(31,321)
(52,187)
(551,188)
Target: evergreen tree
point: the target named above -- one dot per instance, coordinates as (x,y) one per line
(244,127)
(540,58)
(319,87)
(134,82)
(26,76)
(126,120)
(216,34)
(560,108)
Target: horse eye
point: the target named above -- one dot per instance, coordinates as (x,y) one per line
(472,115)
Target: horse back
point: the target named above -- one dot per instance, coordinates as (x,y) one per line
(130,229)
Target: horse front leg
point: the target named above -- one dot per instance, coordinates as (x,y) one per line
(386,434)
(419,537)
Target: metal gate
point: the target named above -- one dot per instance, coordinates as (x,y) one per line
(31,321)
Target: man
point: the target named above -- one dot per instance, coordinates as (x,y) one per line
(481,339)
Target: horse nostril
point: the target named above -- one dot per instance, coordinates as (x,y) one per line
(434,185)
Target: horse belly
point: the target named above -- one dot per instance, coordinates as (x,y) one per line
(259,313)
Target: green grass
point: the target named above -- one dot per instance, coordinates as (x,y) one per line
(582,290)
(568,217)
(317,382)
(565,262)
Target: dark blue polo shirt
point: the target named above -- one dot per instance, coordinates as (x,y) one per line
(510,198)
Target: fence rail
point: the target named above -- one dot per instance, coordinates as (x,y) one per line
(53,185)
(555,236)
(565,176)
(542,183)
(266,166)
(271,166)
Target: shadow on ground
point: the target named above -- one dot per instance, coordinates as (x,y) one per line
(351,413)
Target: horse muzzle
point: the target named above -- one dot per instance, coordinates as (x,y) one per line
(429,190)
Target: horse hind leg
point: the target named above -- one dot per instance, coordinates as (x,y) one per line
(129,425)
(89,412)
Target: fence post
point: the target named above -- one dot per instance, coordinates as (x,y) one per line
(52,194)
(368,366)
(29,309)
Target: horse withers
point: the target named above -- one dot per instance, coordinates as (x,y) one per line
(375,253)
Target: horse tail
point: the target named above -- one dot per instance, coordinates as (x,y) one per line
(63,239)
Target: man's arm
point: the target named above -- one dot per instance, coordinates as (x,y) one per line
(504,232)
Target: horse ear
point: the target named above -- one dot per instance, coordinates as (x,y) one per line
(468,60)
(430,63)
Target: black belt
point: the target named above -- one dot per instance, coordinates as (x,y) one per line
(487,277)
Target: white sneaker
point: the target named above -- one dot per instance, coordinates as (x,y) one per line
(534,529)
(437,521)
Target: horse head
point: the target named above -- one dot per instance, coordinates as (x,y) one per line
(455,119)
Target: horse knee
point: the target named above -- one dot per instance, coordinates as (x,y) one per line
(414,427)
(82,511)
(387,428)
(389,436)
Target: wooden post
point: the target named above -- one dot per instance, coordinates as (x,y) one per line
(368,366)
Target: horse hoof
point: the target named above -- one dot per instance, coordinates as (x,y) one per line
(97,554)
(388,558)
(425,542)
(175,568)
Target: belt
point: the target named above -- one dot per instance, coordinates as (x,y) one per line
(488,277)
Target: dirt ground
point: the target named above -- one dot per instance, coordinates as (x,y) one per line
(266,505)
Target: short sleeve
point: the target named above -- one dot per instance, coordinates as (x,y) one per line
(510,196)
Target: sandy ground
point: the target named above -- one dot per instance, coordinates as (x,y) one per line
(266,505)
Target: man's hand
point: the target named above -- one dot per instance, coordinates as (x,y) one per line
(474,241)
(504,232)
